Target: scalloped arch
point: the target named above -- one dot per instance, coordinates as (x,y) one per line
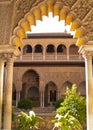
(43,9)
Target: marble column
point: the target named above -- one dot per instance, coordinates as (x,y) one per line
(41,99)
(21,54)
(43,104)
(18,86)
(68,53)
(58,94)
(89,91)
(44,53)
(17,97)
(8,95)
(1,88)
(33,54)
(87,52)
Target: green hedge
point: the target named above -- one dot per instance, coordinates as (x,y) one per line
(28,104)
(25,104)
(57,104)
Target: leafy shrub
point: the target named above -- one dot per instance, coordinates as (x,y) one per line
(66,122)
(25,104)
(72,112)
(57,104)
(28,122)
(74,103)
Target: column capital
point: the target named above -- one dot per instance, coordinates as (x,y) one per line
(8,51)
(10,57)
(86,50)
(2,58)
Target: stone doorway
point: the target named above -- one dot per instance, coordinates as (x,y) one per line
(50,93)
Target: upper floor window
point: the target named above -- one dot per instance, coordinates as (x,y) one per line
(27,49)
(38,48)
(61,49)
(73,50)
(50,48)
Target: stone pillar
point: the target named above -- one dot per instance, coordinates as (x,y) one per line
(58,95)
(18,87)
(89,90)
(17,97)
(87,52)
(41,99)
(32,54)
(42,93)
(68,54)
(1,88)
(21,54)
(8,94)
(44,53)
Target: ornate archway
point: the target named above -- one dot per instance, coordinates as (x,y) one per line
(30,83)
(36,13)
(69,16)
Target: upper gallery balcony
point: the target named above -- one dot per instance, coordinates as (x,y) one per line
(49,52)
(49,48)
(48,57)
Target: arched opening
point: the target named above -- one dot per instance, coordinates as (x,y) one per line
(59,19)
(27,49)
(50,93)
(30,84)
(82,88)
(50,52)
(38,52)
(61,52)
(50,48)
(35,18)
(64,87)
(61,49)
(73,50)
(38,49)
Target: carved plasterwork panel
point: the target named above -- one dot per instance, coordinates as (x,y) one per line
(24,6)
(88,24)
(81,8)
(69,2)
